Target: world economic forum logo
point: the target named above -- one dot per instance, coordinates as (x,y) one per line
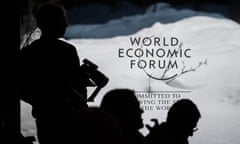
(161,58)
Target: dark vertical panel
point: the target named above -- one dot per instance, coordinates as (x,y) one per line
(235,10)
(9,103)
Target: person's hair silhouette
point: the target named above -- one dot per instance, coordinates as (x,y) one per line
(51,19)
(124,106)
(181,122)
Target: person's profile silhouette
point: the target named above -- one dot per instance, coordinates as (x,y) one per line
(181,122)
(124,106)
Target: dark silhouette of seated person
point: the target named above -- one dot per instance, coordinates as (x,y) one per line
(49,69)
(182,119)
(123,105)
(95,126)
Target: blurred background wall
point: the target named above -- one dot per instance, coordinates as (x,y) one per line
(231,8)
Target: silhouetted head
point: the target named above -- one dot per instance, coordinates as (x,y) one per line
(183,116)
(124,105)
(51,19)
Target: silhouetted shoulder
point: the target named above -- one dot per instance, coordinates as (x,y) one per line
(95,126)
(54,43)
(66,45)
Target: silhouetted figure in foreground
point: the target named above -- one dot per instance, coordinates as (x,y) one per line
(181,123)
(123,105)
(95,126)
(49,70)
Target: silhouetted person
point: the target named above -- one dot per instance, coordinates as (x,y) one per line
(181,123)
(49,70)
(124,106)
(95,126)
